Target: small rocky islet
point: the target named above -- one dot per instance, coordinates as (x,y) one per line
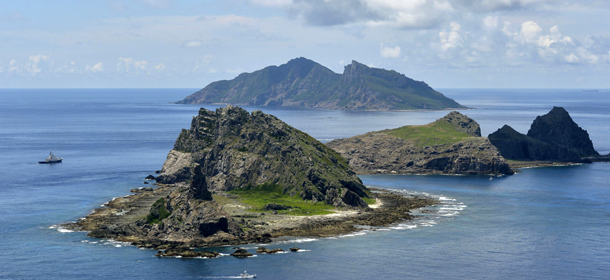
(236,178)
(553,137)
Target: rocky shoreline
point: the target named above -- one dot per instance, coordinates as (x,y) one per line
(262,228)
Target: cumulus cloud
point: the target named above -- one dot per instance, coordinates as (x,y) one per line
(451,39)
(36,63)
(13,67)
(159,67)
(126,65)
(95,68)
(519,44)
(387,52)
(192,44)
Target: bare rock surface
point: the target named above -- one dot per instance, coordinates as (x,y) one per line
(384,152)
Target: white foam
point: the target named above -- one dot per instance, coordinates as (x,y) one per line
(301,240)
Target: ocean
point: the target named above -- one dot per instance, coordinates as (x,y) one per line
(543,223)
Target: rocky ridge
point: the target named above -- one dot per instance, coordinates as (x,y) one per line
(405,151)
(231,149)
(305,83)
(551,137)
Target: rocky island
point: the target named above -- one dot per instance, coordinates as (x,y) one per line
(450,145)
(305,83)
(553,137)
(236,177)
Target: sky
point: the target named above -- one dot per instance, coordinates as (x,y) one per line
(189,44)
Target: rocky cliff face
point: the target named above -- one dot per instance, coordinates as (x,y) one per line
(235,149)
(552,137)
(385,152)
(305,83)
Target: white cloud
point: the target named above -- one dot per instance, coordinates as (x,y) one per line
(1,67)
(35,63)
(159,67)
(572,58)
(95,68)
(491,23)
(451,39)
(13,67)
(126,65)
(387,52)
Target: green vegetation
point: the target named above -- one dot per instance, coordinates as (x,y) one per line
(158,212)
(369,201)
(309,83)
(436,133)
(261,195)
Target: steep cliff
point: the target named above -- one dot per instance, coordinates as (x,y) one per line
(450,145)
(305,83)
(235,149)
(552,137)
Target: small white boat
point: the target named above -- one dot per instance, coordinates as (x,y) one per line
(246,275)
(51,159)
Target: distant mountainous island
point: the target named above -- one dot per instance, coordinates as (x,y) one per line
(304,83)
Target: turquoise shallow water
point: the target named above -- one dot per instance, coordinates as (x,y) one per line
(548,223)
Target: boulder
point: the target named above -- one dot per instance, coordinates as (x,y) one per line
(150,177)
(295,249)
(241,253)
(274,206)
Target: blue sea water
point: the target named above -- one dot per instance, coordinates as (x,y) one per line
(543,223)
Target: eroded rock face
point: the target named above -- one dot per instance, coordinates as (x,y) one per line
(233,149)
(379,152)
(463,123)
(552,137)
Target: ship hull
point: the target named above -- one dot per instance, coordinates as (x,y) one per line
(45,162)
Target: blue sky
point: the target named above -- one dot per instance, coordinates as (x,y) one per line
(188,44)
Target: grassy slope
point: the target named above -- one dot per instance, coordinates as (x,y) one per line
(436,133)
(261,195)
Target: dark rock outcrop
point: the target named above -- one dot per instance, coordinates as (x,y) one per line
(275,206)
(150,178)
(295,249)
(305,83)
(263,250)
(552,137)
(405,150)
(241,253)
(187,253)
(558,129)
